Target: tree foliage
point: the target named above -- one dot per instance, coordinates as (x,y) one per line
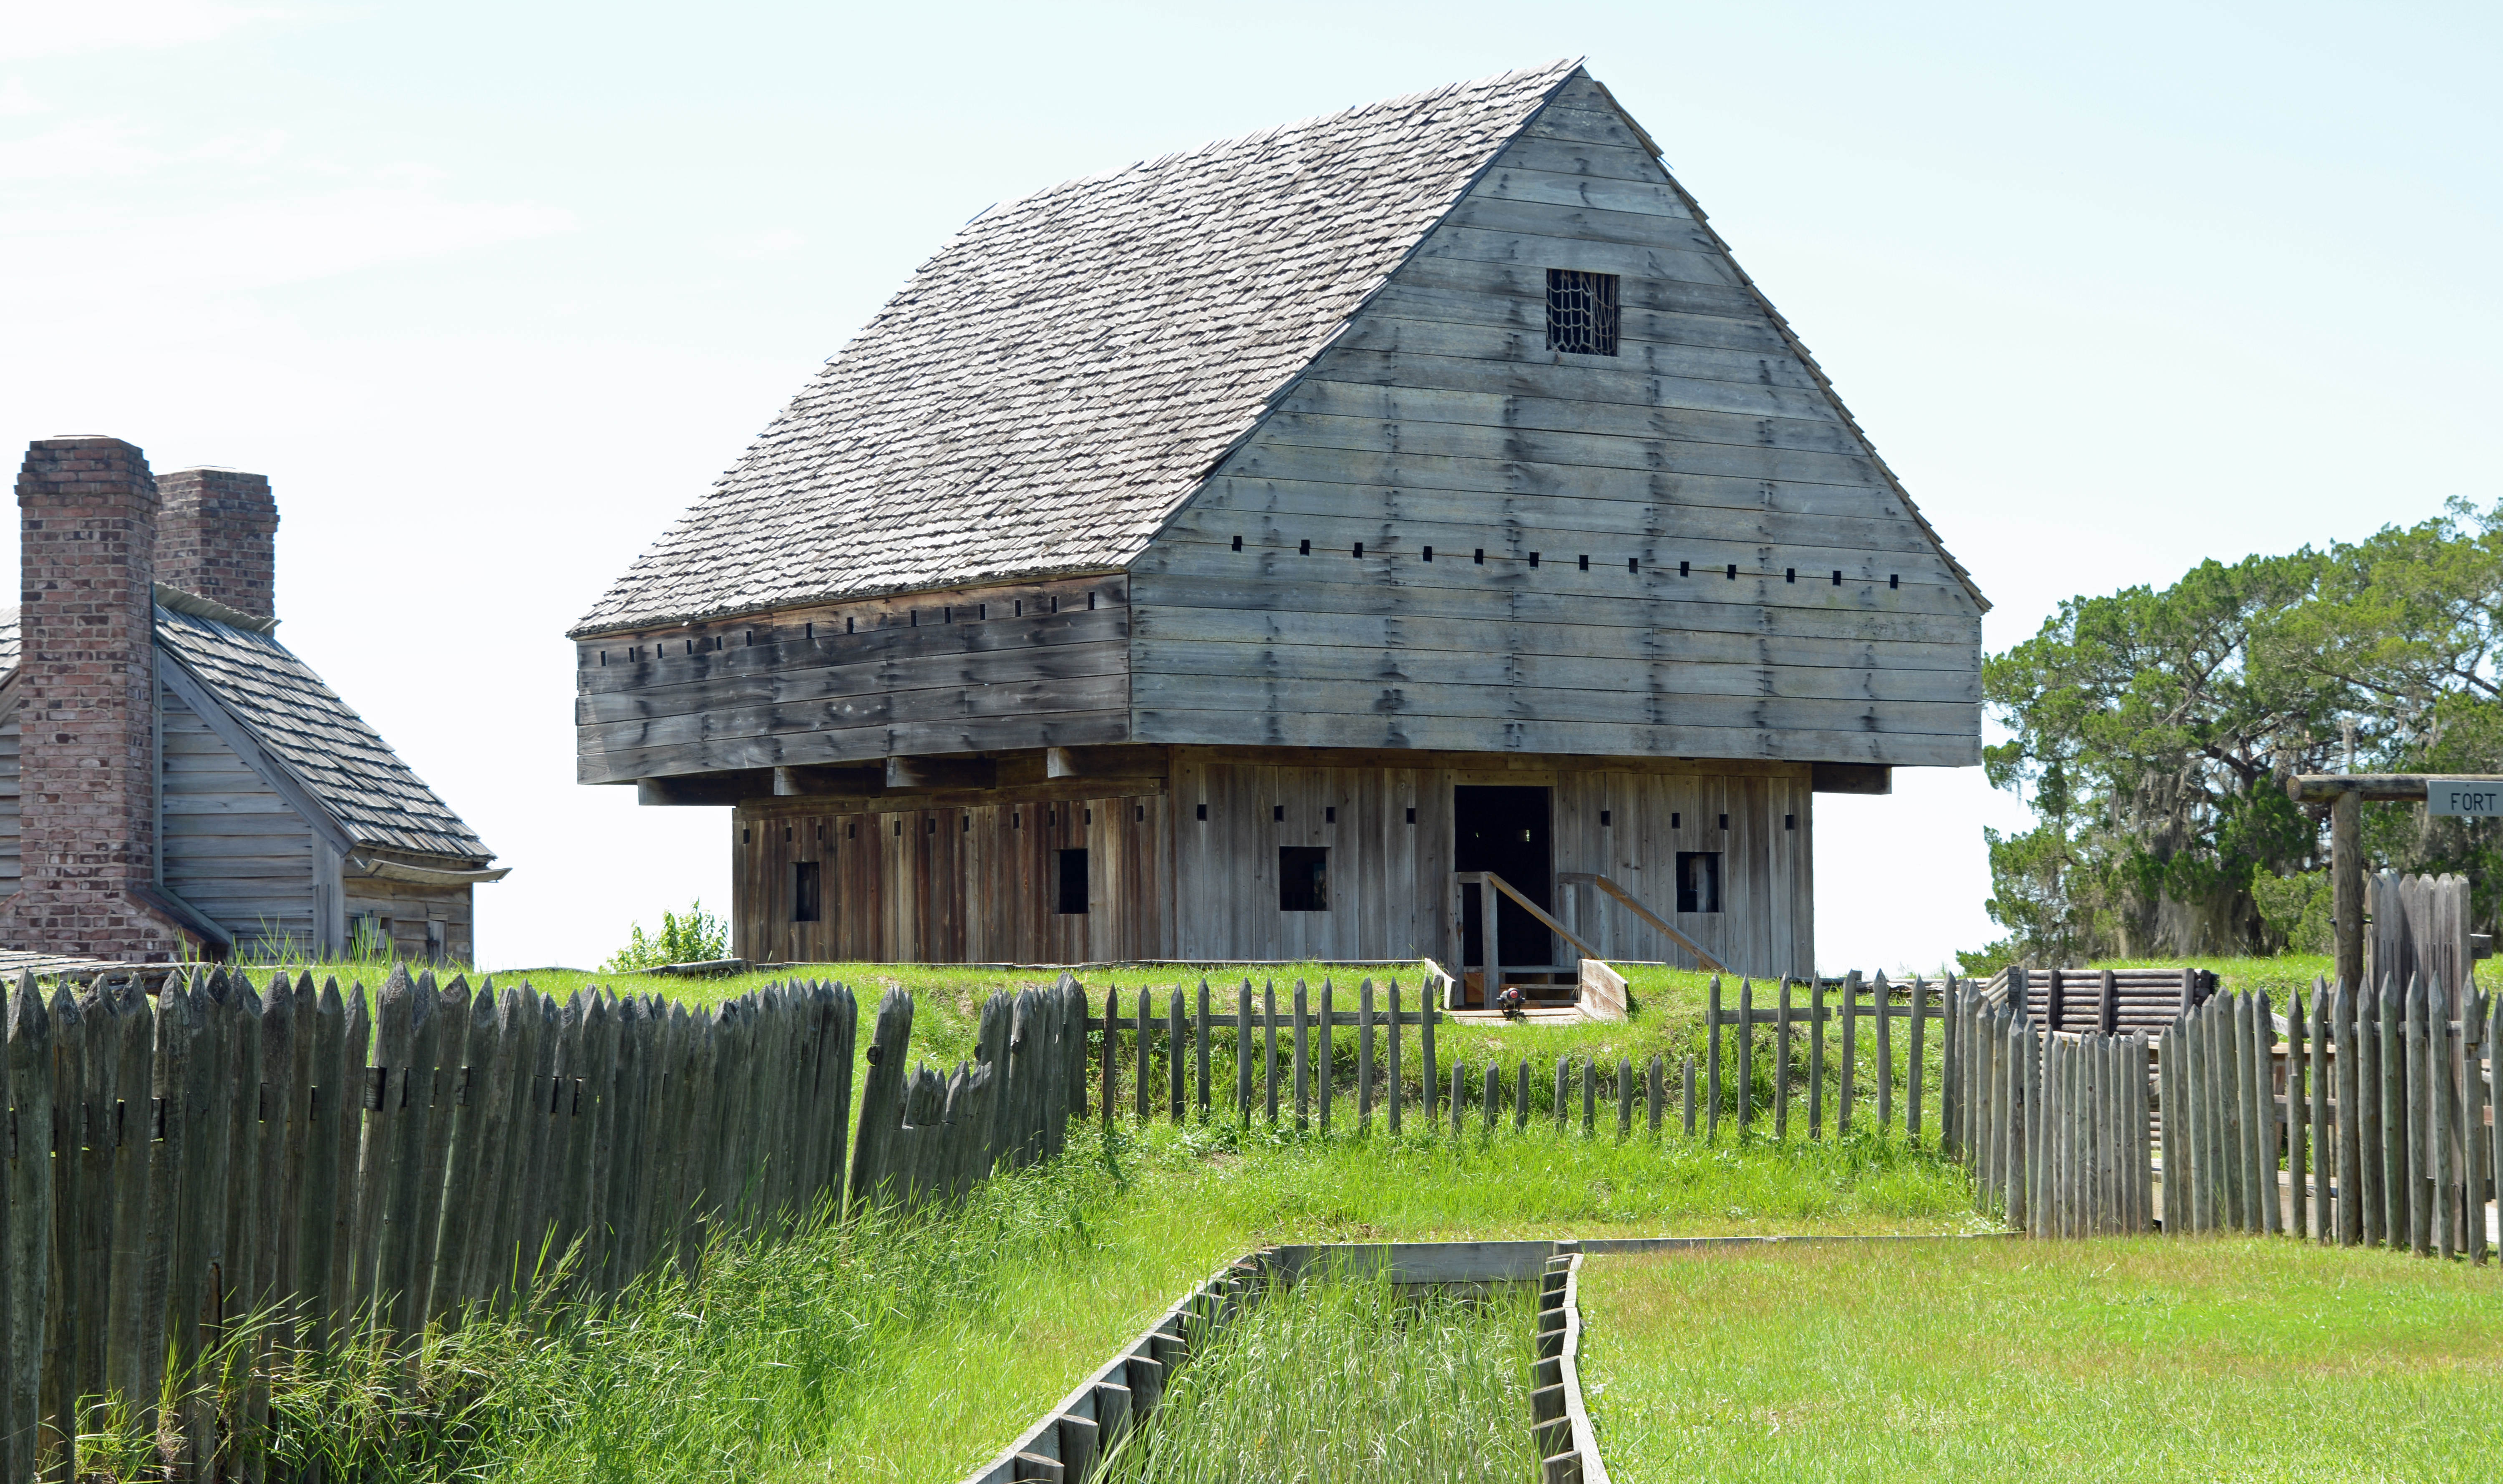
(2153,732)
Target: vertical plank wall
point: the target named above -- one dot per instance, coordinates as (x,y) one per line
(1391,890)
(956,882)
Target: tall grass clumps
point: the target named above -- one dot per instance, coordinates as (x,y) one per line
(1339,1380)
(763,1360)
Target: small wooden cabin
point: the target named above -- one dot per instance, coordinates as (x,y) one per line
(174,781)
(1229,556)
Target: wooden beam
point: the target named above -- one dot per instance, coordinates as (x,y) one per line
(710,790)
(2375,788)
(927,772)
(1851,777)
(801,782)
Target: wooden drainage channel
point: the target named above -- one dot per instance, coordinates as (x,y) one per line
(1065,1444)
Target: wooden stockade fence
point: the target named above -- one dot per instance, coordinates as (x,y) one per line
(1285,1062)
(290,1169)
(2355,1119)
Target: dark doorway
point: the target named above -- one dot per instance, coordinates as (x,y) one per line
(1504,829)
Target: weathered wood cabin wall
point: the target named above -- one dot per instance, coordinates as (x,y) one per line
(423,923)
(955,879)
(1015,665)
(1685,549)
(974,877)
(232,845)
(1391,892)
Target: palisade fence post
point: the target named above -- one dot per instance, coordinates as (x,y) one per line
(1112,1047)
(1687,1096)
(1364,1056)
(1850,1050)
(1520,1101)
(2495,1098)
(1883,995)
(2025,1124)
(1243,1054)
(1950,1001)
(1456,1096)
(64,1138)
(2168,1106)
(2039,1132)
(1427,999)
(1493,1095)
(1199,1045)
(1625,1097)
(1915,1069)
(1815,1059)
(1328,1056)
(2396,1207)
(1269,1053)
(2321,1158)
(2419,1147)
(1147,1081)
(1782,1064)
(26,1230)
(1746,1078)
(882,1114)
(1589,1096)
(1712,1042)
(2298,1147)
(1562,1064)
(1652,1094)
(1303,1061)
(2264,1114)
(1398,1089)
(1175,1055)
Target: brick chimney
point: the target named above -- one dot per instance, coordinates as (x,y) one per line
(88,818)
(217,538)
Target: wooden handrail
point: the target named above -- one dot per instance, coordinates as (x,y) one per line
(1490,878)
(1572,878)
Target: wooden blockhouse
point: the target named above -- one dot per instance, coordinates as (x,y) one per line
(1232,557)
(174,781)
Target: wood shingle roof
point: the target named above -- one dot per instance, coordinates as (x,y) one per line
(1050,386)
(309,730)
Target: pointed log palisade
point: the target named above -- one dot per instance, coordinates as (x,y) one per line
(364,1166)
(1490,527)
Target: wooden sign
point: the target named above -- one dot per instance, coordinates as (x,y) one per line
(2479,798)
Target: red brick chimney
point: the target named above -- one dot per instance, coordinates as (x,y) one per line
(217,538)
(88,816)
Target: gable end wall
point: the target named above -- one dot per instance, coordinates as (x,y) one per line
(1441,419)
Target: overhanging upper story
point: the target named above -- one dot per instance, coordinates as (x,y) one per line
(1446,424)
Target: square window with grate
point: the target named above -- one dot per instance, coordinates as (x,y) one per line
(1581,311)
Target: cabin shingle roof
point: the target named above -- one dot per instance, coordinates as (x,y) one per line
(310,730)
(1051,386)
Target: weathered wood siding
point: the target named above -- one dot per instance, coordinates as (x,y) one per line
(1023,665)
(1442,419)
(954,882)
(405,908)
(1392,893)
(972,876)
(233,847)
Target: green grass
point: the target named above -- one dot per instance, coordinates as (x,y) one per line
(916,1350)
(1345,1381)
(2141,1359)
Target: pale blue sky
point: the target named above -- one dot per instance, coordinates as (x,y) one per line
(490,291)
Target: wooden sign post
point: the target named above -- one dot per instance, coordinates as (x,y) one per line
(2346,794)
